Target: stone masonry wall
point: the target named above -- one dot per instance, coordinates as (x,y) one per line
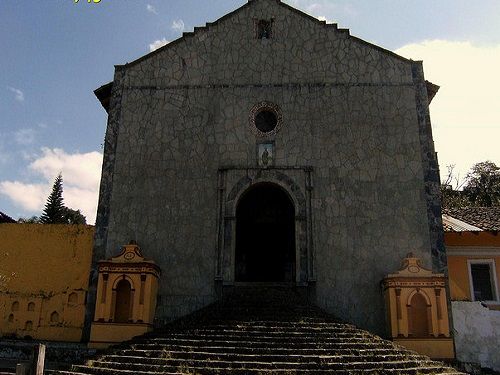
(349,112)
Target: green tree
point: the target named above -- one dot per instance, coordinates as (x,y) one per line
(29,220)
(482,185)
(53,212)
(74,216)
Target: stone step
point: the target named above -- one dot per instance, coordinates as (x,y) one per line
(222,366)
(283,339)
(311,328)
(90,370)
(210,371)
(252,344)
(273,334)
(257,332)
(256,362)
(279,323)
(277,313)
(162,357)
(274,330)
(154,351)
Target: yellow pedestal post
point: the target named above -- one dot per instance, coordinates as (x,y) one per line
(417,310)
(126,298)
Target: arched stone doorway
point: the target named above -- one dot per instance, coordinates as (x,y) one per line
(265,235)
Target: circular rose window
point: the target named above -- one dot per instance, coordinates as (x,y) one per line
(265,119)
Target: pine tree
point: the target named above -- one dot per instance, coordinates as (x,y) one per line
(54,210)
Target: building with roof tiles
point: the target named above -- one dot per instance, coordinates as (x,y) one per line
(473,251)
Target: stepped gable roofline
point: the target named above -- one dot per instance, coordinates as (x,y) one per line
(249,4)
(103,93)
(484,218)
(4,218)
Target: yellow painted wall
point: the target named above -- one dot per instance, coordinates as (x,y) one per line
(480,239)
(143,275)
(459,276)
(458,270)
(44,270)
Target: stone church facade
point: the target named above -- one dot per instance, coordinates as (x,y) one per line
(271,147)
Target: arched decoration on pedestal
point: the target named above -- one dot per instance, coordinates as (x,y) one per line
(126,297)
(296,185)
(417,309)
(123,301)
(419,315)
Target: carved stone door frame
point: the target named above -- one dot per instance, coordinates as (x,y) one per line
(297,183)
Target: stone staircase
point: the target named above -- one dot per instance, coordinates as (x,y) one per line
(260,331)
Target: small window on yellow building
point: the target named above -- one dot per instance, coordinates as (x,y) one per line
(11,318)
(31,306)
(15,306)
(483,280)
(28,326)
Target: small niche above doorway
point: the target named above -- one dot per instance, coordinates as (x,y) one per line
(264,28)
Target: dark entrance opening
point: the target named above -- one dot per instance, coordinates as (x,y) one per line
(265,235)
(123,300)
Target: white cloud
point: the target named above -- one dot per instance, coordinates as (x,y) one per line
(81,176)
(151,9)
(25,137)
(82,170)
(29,196)
(178,25)
(464,113)
(157,44)
(19,95)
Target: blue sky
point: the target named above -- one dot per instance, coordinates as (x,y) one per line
(56,52)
